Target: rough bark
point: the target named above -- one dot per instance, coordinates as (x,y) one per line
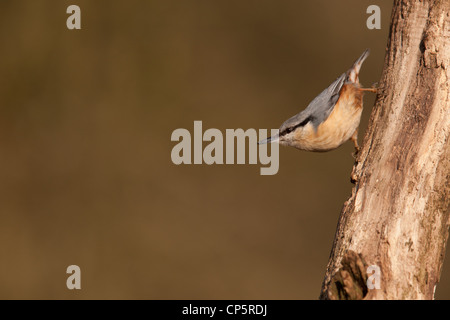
(397,217)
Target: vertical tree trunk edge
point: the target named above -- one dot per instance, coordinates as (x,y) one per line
(397,218)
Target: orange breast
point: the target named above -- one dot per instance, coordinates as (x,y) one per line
(339,127)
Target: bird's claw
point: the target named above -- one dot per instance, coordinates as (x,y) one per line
(355,154)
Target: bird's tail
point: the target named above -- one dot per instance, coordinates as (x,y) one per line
(353,72)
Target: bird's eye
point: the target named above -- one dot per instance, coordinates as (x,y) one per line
(289,130)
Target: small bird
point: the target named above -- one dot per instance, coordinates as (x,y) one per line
(330,119)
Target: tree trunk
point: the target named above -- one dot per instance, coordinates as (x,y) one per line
(397,217)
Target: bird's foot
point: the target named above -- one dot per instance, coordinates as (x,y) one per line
(355,154)
(374,90)
(353,177)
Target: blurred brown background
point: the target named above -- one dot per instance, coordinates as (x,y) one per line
(86,117)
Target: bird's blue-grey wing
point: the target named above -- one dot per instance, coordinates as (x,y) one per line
(318,109)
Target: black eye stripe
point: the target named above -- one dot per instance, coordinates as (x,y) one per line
(301,124)
(304,122)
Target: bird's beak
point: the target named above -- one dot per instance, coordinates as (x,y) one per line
(275,138)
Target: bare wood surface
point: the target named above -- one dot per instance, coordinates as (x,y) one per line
(398,214)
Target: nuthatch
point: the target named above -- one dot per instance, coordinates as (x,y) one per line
(330,119)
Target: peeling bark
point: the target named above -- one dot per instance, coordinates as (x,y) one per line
(397,217)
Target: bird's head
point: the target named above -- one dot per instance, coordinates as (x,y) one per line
(290,131)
